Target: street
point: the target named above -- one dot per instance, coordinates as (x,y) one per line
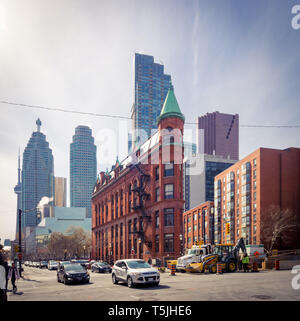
(41,285)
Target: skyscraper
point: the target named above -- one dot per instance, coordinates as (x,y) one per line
(218,134)
(151,85)
(83,168)
(60,192)
(37,175)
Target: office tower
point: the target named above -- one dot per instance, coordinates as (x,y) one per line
(151,85)
(199,172)
(83,168)
(218,134)
(18,191)
(37,175)
(60,192)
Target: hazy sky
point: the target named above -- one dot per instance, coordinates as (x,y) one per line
(232,56)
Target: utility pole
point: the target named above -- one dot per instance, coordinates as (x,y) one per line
(20,241)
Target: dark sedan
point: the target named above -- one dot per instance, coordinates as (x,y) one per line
(72,273)
(101,267)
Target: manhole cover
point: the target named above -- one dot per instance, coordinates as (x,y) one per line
(262,297)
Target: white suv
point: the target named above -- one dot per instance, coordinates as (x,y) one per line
(134,272)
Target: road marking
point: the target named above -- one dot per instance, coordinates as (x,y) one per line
(135,297)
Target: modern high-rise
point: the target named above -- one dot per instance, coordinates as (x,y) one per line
(218,134)
(83,168)
(151,86)
(60,194)
(199,172)
(37,176)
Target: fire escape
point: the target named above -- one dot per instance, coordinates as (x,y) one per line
(142,192)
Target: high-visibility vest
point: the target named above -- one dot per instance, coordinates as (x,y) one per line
(245,260)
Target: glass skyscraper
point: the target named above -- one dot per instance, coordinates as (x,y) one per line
(151,86)
(83,168)
(37,175)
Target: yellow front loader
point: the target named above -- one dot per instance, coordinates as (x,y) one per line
(207,263)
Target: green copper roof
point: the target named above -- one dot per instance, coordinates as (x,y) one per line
(170,107)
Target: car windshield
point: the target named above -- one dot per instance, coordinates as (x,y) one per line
(192,251)
(138,265)
(103,264)
(74,267)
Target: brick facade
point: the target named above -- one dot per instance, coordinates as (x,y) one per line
(150,224)
(245,191)
(198,225)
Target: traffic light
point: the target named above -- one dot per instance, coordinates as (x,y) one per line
(16,248)
(227,228)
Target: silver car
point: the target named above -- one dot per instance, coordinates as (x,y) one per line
(134,271)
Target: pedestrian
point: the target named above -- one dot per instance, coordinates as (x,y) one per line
(6,273)
(3,295)
(245,262)
(13,274)
(150,261)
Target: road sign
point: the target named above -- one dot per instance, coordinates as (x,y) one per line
(132,251)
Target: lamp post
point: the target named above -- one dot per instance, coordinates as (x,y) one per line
(84,251)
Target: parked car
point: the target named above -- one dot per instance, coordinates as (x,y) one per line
(84,263)
(133,271)
(52,265)
(101,267)
(72,273)
(90,263)
(63,263)
(43,264)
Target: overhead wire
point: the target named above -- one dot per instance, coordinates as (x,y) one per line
(122,117)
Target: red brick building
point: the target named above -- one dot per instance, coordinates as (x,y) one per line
(198,225)
(137,207)
(245,192)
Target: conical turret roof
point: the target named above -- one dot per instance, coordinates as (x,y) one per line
(170,107)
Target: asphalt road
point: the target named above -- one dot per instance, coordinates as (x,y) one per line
(42,285)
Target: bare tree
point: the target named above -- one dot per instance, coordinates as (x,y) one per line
(75,243)
(278,226)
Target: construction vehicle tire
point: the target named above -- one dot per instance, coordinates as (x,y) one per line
(231,266)
(213,268)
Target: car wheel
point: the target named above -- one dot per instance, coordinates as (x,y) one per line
(65,282)
(114,279)
(129,282)
(156,283)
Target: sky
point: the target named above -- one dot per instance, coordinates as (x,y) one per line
(229,56)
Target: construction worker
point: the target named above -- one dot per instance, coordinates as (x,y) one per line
(245,262)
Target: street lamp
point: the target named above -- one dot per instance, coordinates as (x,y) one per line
(84,251)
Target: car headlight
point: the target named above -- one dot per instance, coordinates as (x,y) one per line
(136,274)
